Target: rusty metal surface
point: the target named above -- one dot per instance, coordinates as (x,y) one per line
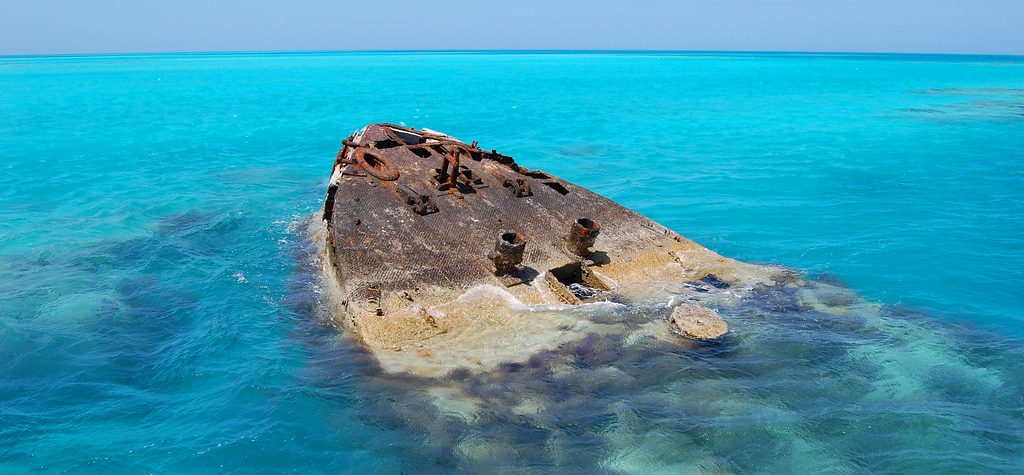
(431,211)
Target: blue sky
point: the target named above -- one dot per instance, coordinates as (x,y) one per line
(107,26)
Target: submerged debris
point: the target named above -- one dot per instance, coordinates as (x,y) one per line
(698,322)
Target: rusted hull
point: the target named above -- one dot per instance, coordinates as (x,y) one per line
(443,255)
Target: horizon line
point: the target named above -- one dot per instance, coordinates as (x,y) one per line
(511,51)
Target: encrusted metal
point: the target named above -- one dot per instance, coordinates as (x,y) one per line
(582,236)
(508,252)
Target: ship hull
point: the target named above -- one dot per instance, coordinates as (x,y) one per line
(444,256)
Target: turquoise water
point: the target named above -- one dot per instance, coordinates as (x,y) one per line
(160,306)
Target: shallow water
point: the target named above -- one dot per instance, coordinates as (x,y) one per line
(161,306)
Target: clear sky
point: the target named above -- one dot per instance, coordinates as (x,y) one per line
(109,26)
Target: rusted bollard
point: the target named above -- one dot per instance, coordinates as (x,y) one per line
(508,252)
(582,234)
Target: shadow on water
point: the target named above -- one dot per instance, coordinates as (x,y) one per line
(811,378)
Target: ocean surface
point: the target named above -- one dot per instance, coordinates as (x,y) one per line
(161,306)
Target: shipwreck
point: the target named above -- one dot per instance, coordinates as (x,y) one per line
(440,254)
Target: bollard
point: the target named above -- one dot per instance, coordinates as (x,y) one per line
(508,252)
(582,234)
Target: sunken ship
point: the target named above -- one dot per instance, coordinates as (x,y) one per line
(440,255)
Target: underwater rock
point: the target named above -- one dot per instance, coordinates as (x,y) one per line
(834,296)
(698,322)
(441,255)
(776,298)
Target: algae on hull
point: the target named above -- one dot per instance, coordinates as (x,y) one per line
(443,255)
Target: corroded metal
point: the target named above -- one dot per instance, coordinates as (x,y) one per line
(427,247)
(582,236)
(508,252)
